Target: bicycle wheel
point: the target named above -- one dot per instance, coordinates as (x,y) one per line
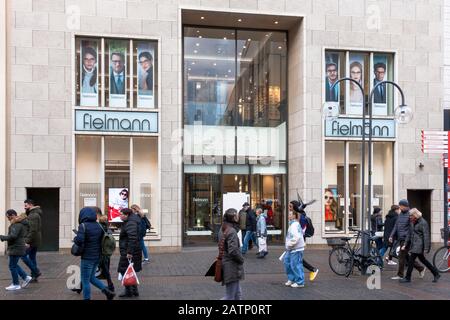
(440,259)
(341,261)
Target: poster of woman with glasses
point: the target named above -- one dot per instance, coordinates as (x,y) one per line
(333,214)
(356,73)
(89,73)
(117,74)
(118,200)
(145,75)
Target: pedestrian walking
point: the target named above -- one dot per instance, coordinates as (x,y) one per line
(89,237)
(400,232)
(17,232)
(296,207)
(418,241)
(389,224)
(250,227)
(130,248)
(105,261)
(232,261)
(261,233)
(242,224)
(376,225)
(293,256)
(144,226)
(34,237)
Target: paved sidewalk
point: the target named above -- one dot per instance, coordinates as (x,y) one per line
(180,276)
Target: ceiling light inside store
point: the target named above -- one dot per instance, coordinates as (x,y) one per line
(195,51)
(193,63)
(214,64)
(249,39)
(224,38)
(197,44)
(276,22)
(239,20)
(229,71)
(200,37)
(280,47)
(203,18)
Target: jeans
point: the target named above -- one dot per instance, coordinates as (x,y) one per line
(88,268)
(144,249)
(412,260)
(383,250)
(249,235)
(16,270)
(293,264)
(402,259)
(30,261)
(233,291)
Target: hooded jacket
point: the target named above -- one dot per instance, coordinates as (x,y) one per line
(261,225)
(294,237)
(250,221)
(232,261)
(129,243)
(401,227)
(89,235)
(34,237)
(17,232)
(389,224)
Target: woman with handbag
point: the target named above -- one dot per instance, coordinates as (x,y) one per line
(130,249)
(232,260)
(88,244)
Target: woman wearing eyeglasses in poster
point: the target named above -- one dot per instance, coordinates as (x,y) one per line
(117,203)
(331,209)
(89,70)
(356,70)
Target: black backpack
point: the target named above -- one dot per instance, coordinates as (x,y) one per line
(309,232)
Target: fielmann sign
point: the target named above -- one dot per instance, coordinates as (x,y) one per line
(352,128)
(116,121)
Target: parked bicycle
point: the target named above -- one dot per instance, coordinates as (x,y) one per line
(344,257)
(441,256)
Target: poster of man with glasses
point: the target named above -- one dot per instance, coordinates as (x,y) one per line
(89,73)
(117,74)
(117,200)
(145,76)
(380,93)
(331,76)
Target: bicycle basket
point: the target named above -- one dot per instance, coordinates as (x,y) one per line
(335,242)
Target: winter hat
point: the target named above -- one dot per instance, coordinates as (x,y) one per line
(376,210)
(404,203)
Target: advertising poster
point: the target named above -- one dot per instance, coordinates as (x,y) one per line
(145,75)
(331,76)
(117,74)
(356,71)
(118,199)
(89,73)
(380,94)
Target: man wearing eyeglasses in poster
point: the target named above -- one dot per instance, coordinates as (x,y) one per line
(379,70)
(117,202)
(117,74)
(145,73)
(331,78)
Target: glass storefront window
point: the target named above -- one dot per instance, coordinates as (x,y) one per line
(383,173)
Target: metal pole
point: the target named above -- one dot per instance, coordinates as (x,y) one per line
(369,187)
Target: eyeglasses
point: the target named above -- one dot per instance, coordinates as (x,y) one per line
(332,71)
(89,59)
(355,72)
(123,194)
(116,61)
(329,197)
(144,61)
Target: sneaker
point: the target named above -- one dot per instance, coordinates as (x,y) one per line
(26,282)
(396,278)
(392,263)
(313,275)
(422,274)
(436,277)
(289,283)
(13,287)
(404,280)
(296,285)
(145,261)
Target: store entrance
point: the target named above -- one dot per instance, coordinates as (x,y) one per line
(421,199)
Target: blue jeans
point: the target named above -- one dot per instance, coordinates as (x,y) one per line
(144,249)
(293,264)
(88,268)
(30,261)
(16,270)
(233,291)
(248,235)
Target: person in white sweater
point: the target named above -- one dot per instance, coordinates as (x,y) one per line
(293,257)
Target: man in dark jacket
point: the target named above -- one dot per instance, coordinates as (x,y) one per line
(418,241)
(376,225)
(400,233)
(16,249)
(89,237)
(130,249)
(389,223)
(34,237)
(250,227)
(232,261)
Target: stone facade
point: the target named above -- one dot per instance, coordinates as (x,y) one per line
(40,72)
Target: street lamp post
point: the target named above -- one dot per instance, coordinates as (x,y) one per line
(403,115)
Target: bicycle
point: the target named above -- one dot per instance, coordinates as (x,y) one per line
(441,256)
(344,257)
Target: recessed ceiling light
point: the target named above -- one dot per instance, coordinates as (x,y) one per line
(224,38)
(239,20)
(200,37)
(189,69)
(240,53)
(195,51)
(232,33)
(280,47)
(198,31)
(249,39)
(226,76)
(214,64)
(267,35)
(193,63)
(276,22)
(229,71)
(197,44)
(203,18)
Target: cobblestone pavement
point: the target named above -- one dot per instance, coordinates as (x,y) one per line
(180,276)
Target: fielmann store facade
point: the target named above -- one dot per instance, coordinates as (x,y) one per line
(192,107)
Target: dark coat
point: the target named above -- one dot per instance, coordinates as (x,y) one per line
(129,244)
(114,88)
(378,97)
(34,237)
(418,240)
(376,222)
(401,227)
(232,261)
(389,224)
(149,78)
(251,221)
(17,232)
(90,235)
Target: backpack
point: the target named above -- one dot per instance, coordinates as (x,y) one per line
(309,231)
(108,243)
